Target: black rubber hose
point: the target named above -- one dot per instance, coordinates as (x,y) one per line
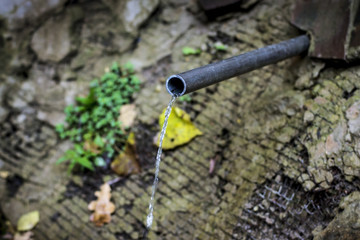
(201,77)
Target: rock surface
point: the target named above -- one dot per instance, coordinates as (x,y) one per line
(21,12)
(353,116)
(157,41)
(132,13)
(53,41)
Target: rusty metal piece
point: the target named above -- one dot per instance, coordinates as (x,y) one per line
(355,34)
(334,26)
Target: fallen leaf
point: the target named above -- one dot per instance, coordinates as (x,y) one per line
(91,147)
(4,174)
(127,116)
(102,207)
(25,236)
(180,129)
(126,162)
(131,139)
(95,145)
(28,221)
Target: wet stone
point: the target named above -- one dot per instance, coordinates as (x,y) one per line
(21,95)
(308,117)
(353,116)
(335,140)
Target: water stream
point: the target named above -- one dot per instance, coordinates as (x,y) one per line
(150,216)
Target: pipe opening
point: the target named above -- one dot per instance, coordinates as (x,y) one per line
(176,85)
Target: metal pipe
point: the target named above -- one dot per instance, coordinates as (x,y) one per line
(204,76)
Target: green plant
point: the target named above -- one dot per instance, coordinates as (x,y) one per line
(190,51)
(185,98)
(92,123)
(220,47)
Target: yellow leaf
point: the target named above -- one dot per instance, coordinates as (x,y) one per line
(28,221)
(131,139)
(126,162)
(180,129)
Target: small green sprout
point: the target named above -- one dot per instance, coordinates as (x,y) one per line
(185,98)
(220,47)
(190,51)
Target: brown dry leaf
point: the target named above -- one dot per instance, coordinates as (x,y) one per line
(25,236)
(92,147)
(126,162)
(127,116)
(102,207)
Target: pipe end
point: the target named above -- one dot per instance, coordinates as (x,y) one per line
(176,85)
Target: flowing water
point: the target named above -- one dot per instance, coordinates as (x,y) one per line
(150,217)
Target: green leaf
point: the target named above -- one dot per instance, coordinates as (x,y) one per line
(87,136)
(69,110)
(71,167)
(190,51)
(63,135)
(114,67)
(59,128)
(100,162)
(110,152)
(98,141)
(84,117)
(129,67)
(88,100)
(135,80)
(79,149)
(61,160)
(109,116)
(100,123)
(94,83)
(83,161)
(123,80)
(107,76)
(70,154)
